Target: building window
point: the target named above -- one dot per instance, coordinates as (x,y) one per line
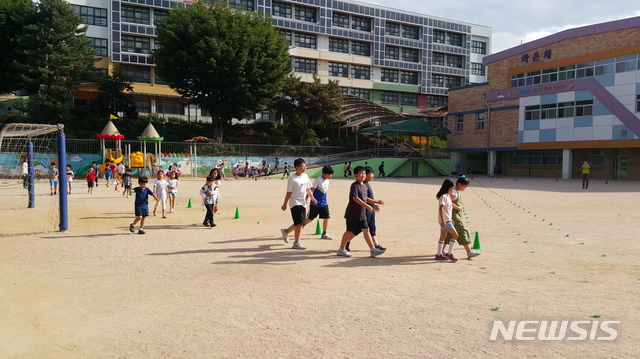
(91,15)
(136,15)
(339,70)
(452,81)
(362,93)
(138,45)
(137,73)
(541,158)
(437,80)
(439,36)
(596,157)
(584,108)
(307,66)
(410,55)
(389,98)
(437,59)
(410,32)
(480,121)
(100,45)
(308,14)
(360,72)
(454,39)
(459,123)
(143,106)
(305,40)
(409,99)
(558,110)
(409,77)
(360,48)
(287,35)
(389,75)
(340,20)
(158,15)
(247,5)
(392,52)
(361,23)
(477,69)
(338,45)
(282,9)
(170,107)
(437,101)
(344,90)
(479,47)
(392,29)
(455,61)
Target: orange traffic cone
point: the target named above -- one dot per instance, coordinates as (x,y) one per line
(116,187)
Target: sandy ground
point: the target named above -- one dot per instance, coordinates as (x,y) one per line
(551,251)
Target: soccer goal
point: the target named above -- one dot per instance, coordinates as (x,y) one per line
(32,198)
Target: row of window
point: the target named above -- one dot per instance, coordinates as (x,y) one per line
(401,53)
(298,12)
(362,93)
(351,22)
(553,158)
(100,45)
(479,47)
(91,15)
(141,74)
(442,59)
(559,110)
(164,107)
(358,48)
(448,38)
(479,122)
(404,77)
(140,15)
(342,70)
(446,81)
(398,98)
(585,69)
(402,30)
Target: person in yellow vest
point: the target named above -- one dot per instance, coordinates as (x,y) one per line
(585,175)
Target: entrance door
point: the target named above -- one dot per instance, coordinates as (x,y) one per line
(621,164)
(414,168)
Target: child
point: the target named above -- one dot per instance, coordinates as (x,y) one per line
(463,235)
(121,170)
(126,182)
(107,173)
(96,169)
(215,174)
(298,188)
(91,179)
(320,187)
(160,190)
(277,165)
(141,204)
(69,178)
(286,170)
(53,179)
(172,188)
(355,215)
(236,172)
(209,195)
(114,173)
(445,220)
(371,216)
(344,168)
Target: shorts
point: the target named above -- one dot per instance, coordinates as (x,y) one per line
(90,184)
(127,186)
(356,226)
(299,215)
(172,194)
(142,211)
(53,183)
(314,211)
(448,226)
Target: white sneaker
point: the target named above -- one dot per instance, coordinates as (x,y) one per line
(298,245)
(285,235)
(343,253)
(326,236)
(473,254)
(376,252)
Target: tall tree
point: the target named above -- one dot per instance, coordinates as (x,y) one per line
(114,99)
(230,62)
(13,14)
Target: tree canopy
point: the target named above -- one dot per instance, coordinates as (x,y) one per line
(229,62)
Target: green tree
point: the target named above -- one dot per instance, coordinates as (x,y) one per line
(114,98)
(13,14)
(229,62)
(309,107)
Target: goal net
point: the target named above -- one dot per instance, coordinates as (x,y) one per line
(30,157)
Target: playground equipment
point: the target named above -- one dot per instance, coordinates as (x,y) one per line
(150,134)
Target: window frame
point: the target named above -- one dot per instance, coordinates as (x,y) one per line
(410,32)
(344,20)
(361,48)
(129,44)
(362,93)
(306,14)
(91,15)
(361,23)
(392,52)
(360,72)
(409,54)
(104,45)
(135,14)
(480,119)
(338,44)
(338,69)
(390,98)
(310,40)
(459,123)
(305,66)
(394,27)
(478,47)
(408,99)
(141,74)
(282,9)
(389,75)
(406,77)
(439,37)
(478,69)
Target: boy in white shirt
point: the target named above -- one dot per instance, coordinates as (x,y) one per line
(298,188)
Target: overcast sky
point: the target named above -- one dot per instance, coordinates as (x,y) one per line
(516,21)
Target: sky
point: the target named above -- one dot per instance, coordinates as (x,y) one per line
(519,21)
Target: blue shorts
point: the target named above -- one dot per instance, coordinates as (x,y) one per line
(448,226)
(142,211)
(53,183)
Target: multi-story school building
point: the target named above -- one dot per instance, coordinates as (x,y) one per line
(551,104)
(402,60)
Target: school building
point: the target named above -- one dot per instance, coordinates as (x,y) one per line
(551,104)
(399,59)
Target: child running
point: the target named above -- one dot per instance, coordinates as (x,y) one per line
(371,216)
(91,179)
(172,189)
(298,189)
(445,206)
(209,195)
(126,182)
(160,190)
(355,215)
(463,235)
(141,205)
(70,176)
(320,187)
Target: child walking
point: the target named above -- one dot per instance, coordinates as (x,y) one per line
(371,216)
(70,176)
(172,189)
(286,170)
(463,235)
(321,208)
(445,206)
(160,190)
(298,189)
(126,182)
(141,205)
(217,181)
(53,179)
(91,179)
(209,194)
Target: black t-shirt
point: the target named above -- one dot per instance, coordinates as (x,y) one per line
(354,211)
